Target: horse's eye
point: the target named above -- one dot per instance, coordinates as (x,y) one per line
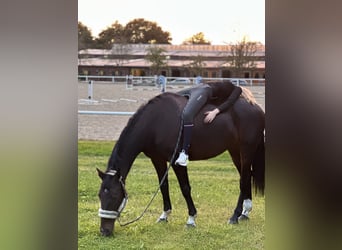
(105,190)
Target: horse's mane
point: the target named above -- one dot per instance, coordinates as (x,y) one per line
(131,124)
(136,116)
(132,121)
(127,129)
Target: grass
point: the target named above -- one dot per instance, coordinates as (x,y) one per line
(215,189)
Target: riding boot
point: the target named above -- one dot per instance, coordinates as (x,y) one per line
(187,134)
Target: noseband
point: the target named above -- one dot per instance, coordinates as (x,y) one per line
(115,214)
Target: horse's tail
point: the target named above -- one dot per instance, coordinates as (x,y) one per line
(258,168)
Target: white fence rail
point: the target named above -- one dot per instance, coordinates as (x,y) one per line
(153,80)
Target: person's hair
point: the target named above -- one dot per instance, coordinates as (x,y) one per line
(247,94)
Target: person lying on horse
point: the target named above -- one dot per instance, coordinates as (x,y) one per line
(198,96)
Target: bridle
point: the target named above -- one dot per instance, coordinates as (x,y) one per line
(107,214)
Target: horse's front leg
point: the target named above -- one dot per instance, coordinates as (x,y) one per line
(183,180)
(161,167)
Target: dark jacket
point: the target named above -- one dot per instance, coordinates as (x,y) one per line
(225,92)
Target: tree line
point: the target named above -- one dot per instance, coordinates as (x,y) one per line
(138,30)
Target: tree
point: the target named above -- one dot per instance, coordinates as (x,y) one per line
(85,39)
(111,35)
(241,56)
(197,65)
(197,39)
(157,58)
(142,31)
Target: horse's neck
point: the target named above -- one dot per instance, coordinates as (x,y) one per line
(124,154)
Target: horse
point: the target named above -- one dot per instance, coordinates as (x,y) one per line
(154,130)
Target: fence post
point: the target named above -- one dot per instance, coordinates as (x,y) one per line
(90,90)
(198,80)
(129,82)
(162,83)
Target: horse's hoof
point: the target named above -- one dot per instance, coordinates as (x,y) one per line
(191,221)
(162,220)
(233,221)
(190,225)
(163,216)
(243,218)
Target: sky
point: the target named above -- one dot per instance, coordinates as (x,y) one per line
(221,21)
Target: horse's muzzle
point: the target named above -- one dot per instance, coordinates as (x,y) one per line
(107,227)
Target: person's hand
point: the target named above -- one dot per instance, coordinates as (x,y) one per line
(210,115)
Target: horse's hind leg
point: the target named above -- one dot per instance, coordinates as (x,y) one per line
(183,180)
(243,207)
(244,204)
(161,167)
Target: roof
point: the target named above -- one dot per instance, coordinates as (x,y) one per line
(101,62)
(180,50)
(101,57)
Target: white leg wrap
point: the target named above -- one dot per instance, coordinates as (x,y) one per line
(164,215)
(247,207)
(191,221)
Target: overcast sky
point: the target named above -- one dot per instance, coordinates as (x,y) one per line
(221,21)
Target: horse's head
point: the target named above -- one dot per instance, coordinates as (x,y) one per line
(113,199)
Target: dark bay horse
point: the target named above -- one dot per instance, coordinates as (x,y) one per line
(154,130)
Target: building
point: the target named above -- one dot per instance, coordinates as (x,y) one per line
(129,59)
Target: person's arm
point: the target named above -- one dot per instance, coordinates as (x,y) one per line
(210,115)
(231,99)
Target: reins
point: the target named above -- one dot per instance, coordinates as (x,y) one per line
(161,182)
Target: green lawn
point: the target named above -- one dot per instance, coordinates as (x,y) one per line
(215,188)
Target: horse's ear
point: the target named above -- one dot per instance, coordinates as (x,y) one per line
(100,173)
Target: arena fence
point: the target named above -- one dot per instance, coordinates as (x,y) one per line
(155,82)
